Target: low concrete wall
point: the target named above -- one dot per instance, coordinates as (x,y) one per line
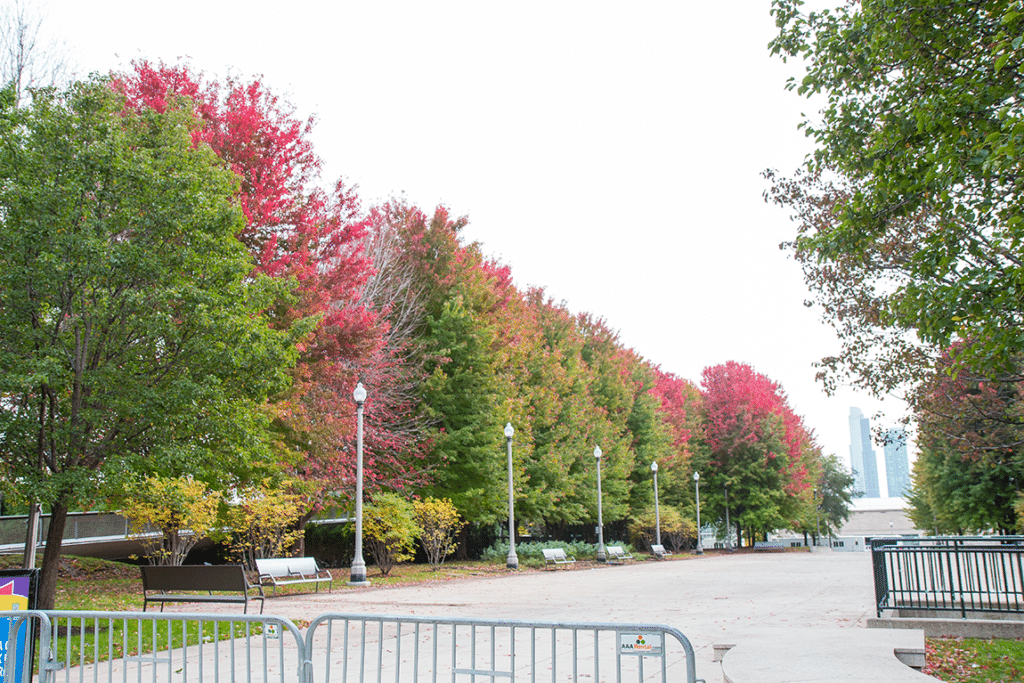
(935,627)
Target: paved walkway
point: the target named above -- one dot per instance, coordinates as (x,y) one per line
(711,599)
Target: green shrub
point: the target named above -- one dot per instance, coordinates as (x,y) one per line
(389,530)
(531,553)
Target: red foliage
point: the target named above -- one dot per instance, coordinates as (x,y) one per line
(294,229)
(742,407)
(680,407)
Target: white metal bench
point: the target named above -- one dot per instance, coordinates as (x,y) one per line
(616,553)
(283,571)
(556,556)
(659,551)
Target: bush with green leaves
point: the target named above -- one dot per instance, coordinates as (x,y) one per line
(533,552)
(389,530)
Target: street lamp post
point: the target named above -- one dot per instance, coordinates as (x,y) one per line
(817,522)
(600,555)
(358,574)
(696,484)
(657,514)
(512,561)
(728,528)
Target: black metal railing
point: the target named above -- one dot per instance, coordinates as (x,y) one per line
(959,574)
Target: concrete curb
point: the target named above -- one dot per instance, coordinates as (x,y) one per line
(953,628)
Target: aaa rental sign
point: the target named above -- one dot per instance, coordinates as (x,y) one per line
(642,644)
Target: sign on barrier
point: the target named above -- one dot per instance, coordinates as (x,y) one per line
(18,590)
(642,644)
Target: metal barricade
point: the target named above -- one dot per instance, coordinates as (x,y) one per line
(153,647)
(964,575)
(90,647)
(345,648)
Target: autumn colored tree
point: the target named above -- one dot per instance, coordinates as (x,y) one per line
(262,520)
(756,449)
(331,252)
(439,525)
(680,409)
(183,511)
(969,470)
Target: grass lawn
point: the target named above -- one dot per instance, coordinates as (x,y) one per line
(86,583)
(962,660)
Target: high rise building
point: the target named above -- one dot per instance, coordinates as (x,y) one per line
(897,465)
(862,455)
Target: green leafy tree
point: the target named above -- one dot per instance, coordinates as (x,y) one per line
(922,128)
(827,506)
(390,530)
(181,510)
(759,451)
(439,524)
(132,333)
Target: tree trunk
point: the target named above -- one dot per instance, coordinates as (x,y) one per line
(51,554)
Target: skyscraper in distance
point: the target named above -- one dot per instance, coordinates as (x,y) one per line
(862,455)
(897,464)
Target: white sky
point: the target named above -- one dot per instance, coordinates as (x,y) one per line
(608,151)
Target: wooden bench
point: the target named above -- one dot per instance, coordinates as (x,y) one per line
(616,554)
(659,551)
(556,556)
(175,584)
(282,571)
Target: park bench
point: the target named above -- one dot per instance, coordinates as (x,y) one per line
(556,556)
(616,554)
(283,571)
(659,551)
(165,584)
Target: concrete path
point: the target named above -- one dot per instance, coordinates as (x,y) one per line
(711,599)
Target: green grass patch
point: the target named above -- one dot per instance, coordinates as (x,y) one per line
(962,660)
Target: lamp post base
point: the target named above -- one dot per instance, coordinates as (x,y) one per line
(357,577)
(511,562)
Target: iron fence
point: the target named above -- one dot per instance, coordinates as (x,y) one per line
(957,574)
(109,647)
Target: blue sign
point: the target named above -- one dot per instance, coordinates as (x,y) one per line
(17,592)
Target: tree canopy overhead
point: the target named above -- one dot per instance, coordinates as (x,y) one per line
(923,125)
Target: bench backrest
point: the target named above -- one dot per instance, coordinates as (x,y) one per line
(554,554)
(220,577)
(283,566)
(615,550)
(657,549)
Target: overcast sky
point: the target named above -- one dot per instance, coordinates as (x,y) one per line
(610,152)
